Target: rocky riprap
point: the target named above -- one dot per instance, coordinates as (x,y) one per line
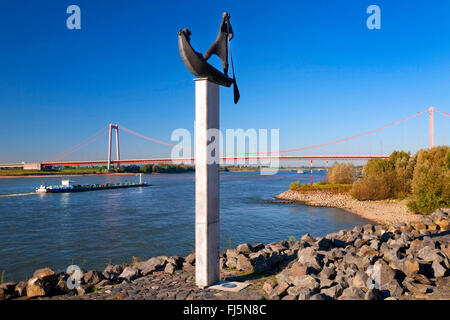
(404,261)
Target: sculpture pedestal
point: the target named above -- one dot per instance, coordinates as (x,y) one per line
(207,227)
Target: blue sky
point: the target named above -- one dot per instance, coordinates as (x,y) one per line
(310,68)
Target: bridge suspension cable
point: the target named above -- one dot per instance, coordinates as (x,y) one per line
(82,144)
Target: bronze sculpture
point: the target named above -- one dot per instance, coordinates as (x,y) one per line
(197,63)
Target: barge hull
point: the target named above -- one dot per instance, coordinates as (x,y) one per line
(94,189)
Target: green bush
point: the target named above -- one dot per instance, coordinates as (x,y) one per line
(341,173)
(431,180)
(383,179)
(131,168)
(171,168)
(371,188)
(294,185)
(147,168)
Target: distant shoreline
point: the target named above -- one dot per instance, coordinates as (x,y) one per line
(71,175)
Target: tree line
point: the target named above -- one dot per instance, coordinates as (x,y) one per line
(423,179)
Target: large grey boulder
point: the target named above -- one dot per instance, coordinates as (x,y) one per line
(243,263)
(7,290)
(381,273)
(429,254)
(268,286)
(438,270)
(391,289)
(333,292)
(112,272)
(309,257)
(129,273)
(306,281)
(170,268)
(261,264)
(92,277)
(244,248)
(42,283)
(152,265)
(351,293)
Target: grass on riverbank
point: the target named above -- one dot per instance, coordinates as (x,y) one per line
(321,186)
(19,172)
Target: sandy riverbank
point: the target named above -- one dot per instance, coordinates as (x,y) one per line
(387,212)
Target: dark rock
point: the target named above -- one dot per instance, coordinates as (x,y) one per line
(244,248)
(103,283)
(170,268)
(391,289)
(176,260)
(327,273)
(333,292)
(257,247)
(47,276)
(438,270)
(261,265)
(337,243)
(281,289)
(324,243)
(222,263)
(92,277)
(243,263)
(7,290)
(21,289)
(385,237)
(190,259)
(319,296)
(275,258)
(373,294)
(112,271)
(352,292)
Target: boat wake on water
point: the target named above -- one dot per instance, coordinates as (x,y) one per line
(17,195)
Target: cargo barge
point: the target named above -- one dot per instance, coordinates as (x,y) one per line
(66,186)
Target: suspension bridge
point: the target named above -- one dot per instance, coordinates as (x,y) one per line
(87,153)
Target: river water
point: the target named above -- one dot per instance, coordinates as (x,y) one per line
(92,229)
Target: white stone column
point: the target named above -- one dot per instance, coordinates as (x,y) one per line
(207,229)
